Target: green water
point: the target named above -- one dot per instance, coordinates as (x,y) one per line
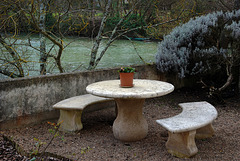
(76,55)
(120,53)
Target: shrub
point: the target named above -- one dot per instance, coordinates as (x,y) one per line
(202,45)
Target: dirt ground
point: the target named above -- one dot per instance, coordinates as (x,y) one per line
(96,141)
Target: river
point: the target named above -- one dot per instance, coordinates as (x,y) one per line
(76,55)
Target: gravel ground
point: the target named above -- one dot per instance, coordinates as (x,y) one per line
(96,141)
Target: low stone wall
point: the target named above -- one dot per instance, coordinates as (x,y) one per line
(29,100)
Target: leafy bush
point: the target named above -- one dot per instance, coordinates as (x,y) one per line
(208,44)
(201,45)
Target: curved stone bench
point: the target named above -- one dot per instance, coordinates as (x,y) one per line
(71,110)
(195,121)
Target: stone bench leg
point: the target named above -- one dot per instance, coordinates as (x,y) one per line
(71,120)
(182,144)
(205,132)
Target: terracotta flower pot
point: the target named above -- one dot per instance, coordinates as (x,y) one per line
(126,79)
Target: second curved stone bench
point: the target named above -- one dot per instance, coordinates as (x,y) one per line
(195,121)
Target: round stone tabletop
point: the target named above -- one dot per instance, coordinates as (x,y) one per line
(142,88)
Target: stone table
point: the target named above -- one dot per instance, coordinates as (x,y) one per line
(130,125)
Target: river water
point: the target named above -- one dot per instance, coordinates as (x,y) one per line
(76,55)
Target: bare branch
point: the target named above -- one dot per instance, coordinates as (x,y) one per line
(99,37)
(94,63)
(14,56)
(136,50)
(9,74)
(225,5)
(228,82)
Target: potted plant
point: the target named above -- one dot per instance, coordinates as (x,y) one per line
(126,76)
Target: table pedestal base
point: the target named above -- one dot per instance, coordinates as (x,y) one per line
(130,125)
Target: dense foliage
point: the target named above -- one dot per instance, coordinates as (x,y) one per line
(202,45)
(133,21)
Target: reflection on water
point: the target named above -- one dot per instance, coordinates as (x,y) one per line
(76,55)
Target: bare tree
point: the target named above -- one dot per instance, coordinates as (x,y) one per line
(42,19)
(32,15)
(96,44)
(54,19)
(117,33)
(15,63)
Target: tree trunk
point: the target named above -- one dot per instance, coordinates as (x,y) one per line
(93,62)
(98,38)
(43,55)
(238,79)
